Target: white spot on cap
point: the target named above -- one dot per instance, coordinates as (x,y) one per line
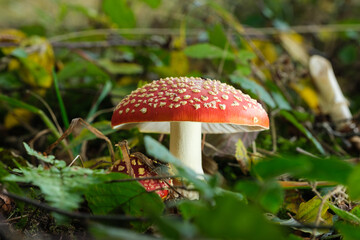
(238,98)
(136,105)
(204,98)
(177,99)
(162,104)
(183,102)
(222,106)
(224,96)
(187,96)
(235,103)
(121,111)
(133,100)
(256,119)
(143,110)
(127,110)
(196,106)
(195,90)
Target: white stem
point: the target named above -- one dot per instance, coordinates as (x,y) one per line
(331,97)
(185,144)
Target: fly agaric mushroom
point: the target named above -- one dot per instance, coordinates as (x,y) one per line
(140,170)
(191,106)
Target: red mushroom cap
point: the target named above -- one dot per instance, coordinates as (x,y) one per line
(142,171)
(191,99)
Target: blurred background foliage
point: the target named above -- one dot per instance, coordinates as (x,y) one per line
(61,60)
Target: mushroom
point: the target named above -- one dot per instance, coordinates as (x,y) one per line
(185,107)
(141,170)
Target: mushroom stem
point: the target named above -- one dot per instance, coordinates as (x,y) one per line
(185,144)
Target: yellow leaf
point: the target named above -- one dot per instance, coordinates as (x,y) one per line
(10,36)
(267,49)
(308,94)
(36,68)
(12,117)
(242,157)
(294,45)
(179,63)
(308,211)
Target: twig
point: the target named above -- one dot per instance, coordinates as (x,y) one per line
(74,214)
(302,151)
(273,130)
(16,218)
(322,204)
(97,133)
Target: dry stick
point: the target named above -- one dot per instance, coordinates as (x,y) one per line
(53,118)
(273,131)
(16,218)
(97,133)
(123,145)
(302,151)
(324,199)
(98,113)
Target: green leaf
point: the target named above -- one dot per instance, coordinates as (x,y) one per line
(344,214)
(155,149)
(129,196)
(19,53)
(268,194)
(105,91)
(119,12)
(302,129)
(229,218)
(106,197)
(353,183)
(280,100)
(205,50)
(245,56)
(81,68)
(308,211)
(120,68)
(152,3)
(329,169)
(348,231)
(8,80)
(277,166)
(48,159)
(13,102)
(62,188)
(254,88)
(217,36)
(348,54)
